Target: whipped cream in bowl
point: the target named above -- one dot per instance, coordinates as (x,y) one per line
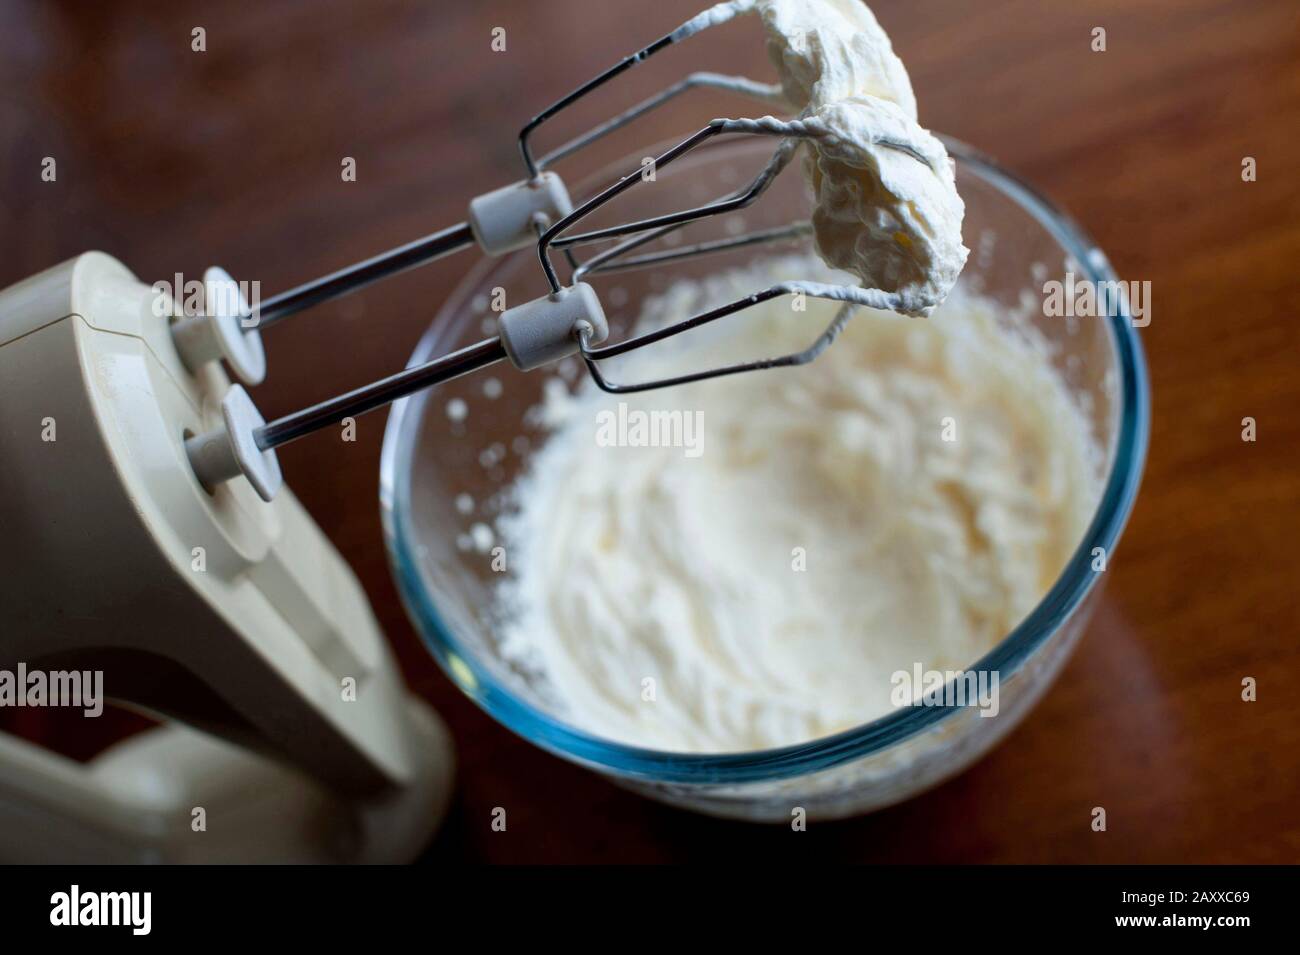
(736,595)
(1007,590)
(750,567)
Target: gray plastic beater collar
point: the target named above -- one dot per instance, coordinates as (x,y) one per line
(546,329)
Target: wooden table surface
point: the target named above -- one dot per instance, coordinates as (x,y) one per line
(173,160)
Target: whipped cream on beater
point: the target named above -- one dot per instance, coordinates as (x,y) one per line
(887,207)
(831,50)
(760,586)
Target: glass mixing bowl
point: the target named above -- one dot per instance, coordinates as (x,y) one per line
(450,453)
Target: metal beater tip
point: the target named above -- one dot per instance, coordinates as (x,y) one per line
(637,234)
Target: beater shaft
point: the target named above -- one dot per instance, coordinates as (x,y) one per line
(368,397)
(354,277)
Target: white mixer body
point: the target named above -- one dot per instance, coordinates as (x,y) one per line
(231,614)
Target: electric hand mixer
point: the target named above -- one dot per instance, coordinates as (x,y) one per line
(132,545)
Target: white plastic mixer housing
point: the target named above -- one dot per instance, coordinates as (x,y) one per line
(230,614)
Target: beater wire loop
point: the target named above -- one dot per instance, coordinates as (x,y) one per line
(592,356)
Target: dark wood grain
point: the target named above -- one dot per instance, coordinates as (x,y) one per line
(173,160)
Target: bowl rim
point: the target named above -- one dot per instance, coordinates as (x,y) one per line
(1069,590)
